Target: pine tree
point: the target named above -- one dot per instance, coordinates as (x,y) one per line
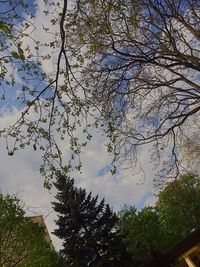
(87,227)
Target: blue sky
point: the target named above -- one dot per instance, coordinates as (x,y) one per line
(20,173)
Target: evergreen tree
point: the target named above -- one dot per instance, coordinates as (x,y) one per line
(87,227)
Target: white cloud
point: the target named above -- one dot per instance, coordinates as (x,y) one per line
(37,32)
(126,187)
(19,173)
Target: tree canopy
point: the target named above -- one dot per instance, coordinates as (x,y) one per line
(142,233)
(174,216)
(128,67)
(22,242)
(178,206)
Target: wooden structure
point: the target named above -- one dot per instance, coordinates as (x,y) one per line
(185,253)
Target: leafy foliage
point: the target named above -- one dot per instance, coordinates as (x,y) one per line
(87,227)
(22,241)
(174,216)
(178,206)
(142,233)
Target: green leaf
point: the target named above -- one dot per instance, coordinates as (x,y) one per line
(18,55)
(22,57)
(4,27)
(11,36)
(15,54)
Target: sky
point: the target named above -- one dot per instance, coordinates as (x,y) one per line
(20,174)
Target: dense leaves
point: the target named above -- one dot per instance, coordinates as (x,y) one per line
(143,233)
(178,206)
(22,242)
(175,215)
(87,228)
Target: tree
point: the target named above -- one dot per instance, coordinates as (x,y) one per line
(130,68)
(174,216)
(190,153)
(142,233)
(142,68)
(87,227)
(22,241)
(178,206)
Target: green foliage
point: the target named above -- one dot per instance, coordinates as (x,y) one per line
(4,27)
(87,228)
(17,55)
(142,231)
(179,206)
(22,242)
(175,214)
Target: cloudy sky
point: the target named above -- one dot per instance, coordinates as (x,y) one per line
(20,175)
